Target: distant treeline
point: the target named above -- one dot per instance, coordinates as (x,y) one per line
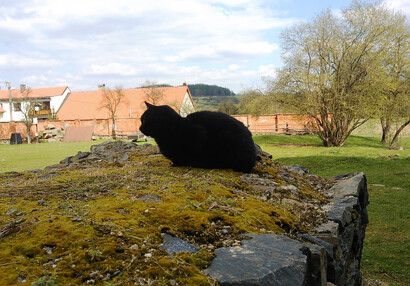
(209,90)
(199,89)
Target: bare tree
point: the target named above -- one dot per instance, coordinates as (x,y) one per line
(27,109)
(153,92)
(111,99)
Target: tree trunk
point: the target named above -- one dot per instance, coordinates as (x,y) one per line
(114,128)
(334,133)
(28,135)
(386,128)
(393,143)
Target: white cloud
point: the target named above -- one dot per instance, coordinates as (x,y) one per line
(267,71)
(233,3)
(110,68)
(46,80)
(14,61)
(234,67)
(86,42)
(224,50)
(399,5)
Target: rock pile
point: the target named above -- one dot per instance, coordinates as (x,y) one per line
(118,151)
(51,134)
(331,254)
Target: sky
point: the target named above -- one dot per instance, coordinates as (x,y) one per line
(85,43)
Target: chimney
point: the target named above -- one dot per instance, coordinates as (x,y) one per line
(184,84)
(101,86)
(22,88)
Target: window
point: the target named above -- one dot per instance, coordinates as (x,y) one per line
(17,106)
(45,105)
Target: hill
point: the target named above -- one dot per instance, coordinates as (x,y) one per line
(212,102)
(209,90)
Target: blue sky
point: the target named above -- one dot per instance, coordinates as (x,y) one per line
(84,43)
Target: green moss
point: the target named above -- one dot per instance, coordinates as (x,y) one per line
(104,222)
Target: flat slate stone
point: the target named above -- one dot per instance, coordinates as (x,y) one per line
(348,187)
(175,245)
(347,194)
(262,260)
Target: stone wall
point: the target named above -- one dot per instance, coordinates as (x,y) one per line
(329,255)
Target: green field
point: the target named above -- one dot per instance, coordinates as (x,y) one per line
(212,102)
(386,250)
(37,156)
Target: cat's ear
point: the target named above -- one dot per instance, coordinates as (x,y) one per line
(149,105)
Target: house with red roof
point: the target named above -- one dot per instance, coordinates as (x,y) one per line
(88,105)
(61,107)
(47,100)
(85,108)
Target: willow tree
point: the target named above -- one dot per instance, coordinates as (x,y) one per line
(256,102)
(329,69)
(394,78)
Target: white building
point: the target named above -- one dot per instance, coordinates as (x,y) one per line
(48,100)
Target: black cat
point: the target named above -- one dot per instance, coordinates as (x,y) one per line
(203,139)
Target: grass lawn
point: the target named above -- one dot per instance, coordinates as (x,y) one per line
(386,250)
(37,156)
(387,242)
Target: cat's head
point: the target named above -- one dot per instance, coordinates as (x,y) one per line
(157,120)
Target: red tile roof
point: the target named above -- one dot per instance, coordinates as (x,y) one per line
(34,92)
(87,104)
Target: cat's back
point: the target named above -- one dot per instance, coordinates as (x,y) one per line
(229,143)
(216,120)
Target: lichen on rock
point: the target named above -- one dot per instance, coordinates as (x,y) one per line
(100,215)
